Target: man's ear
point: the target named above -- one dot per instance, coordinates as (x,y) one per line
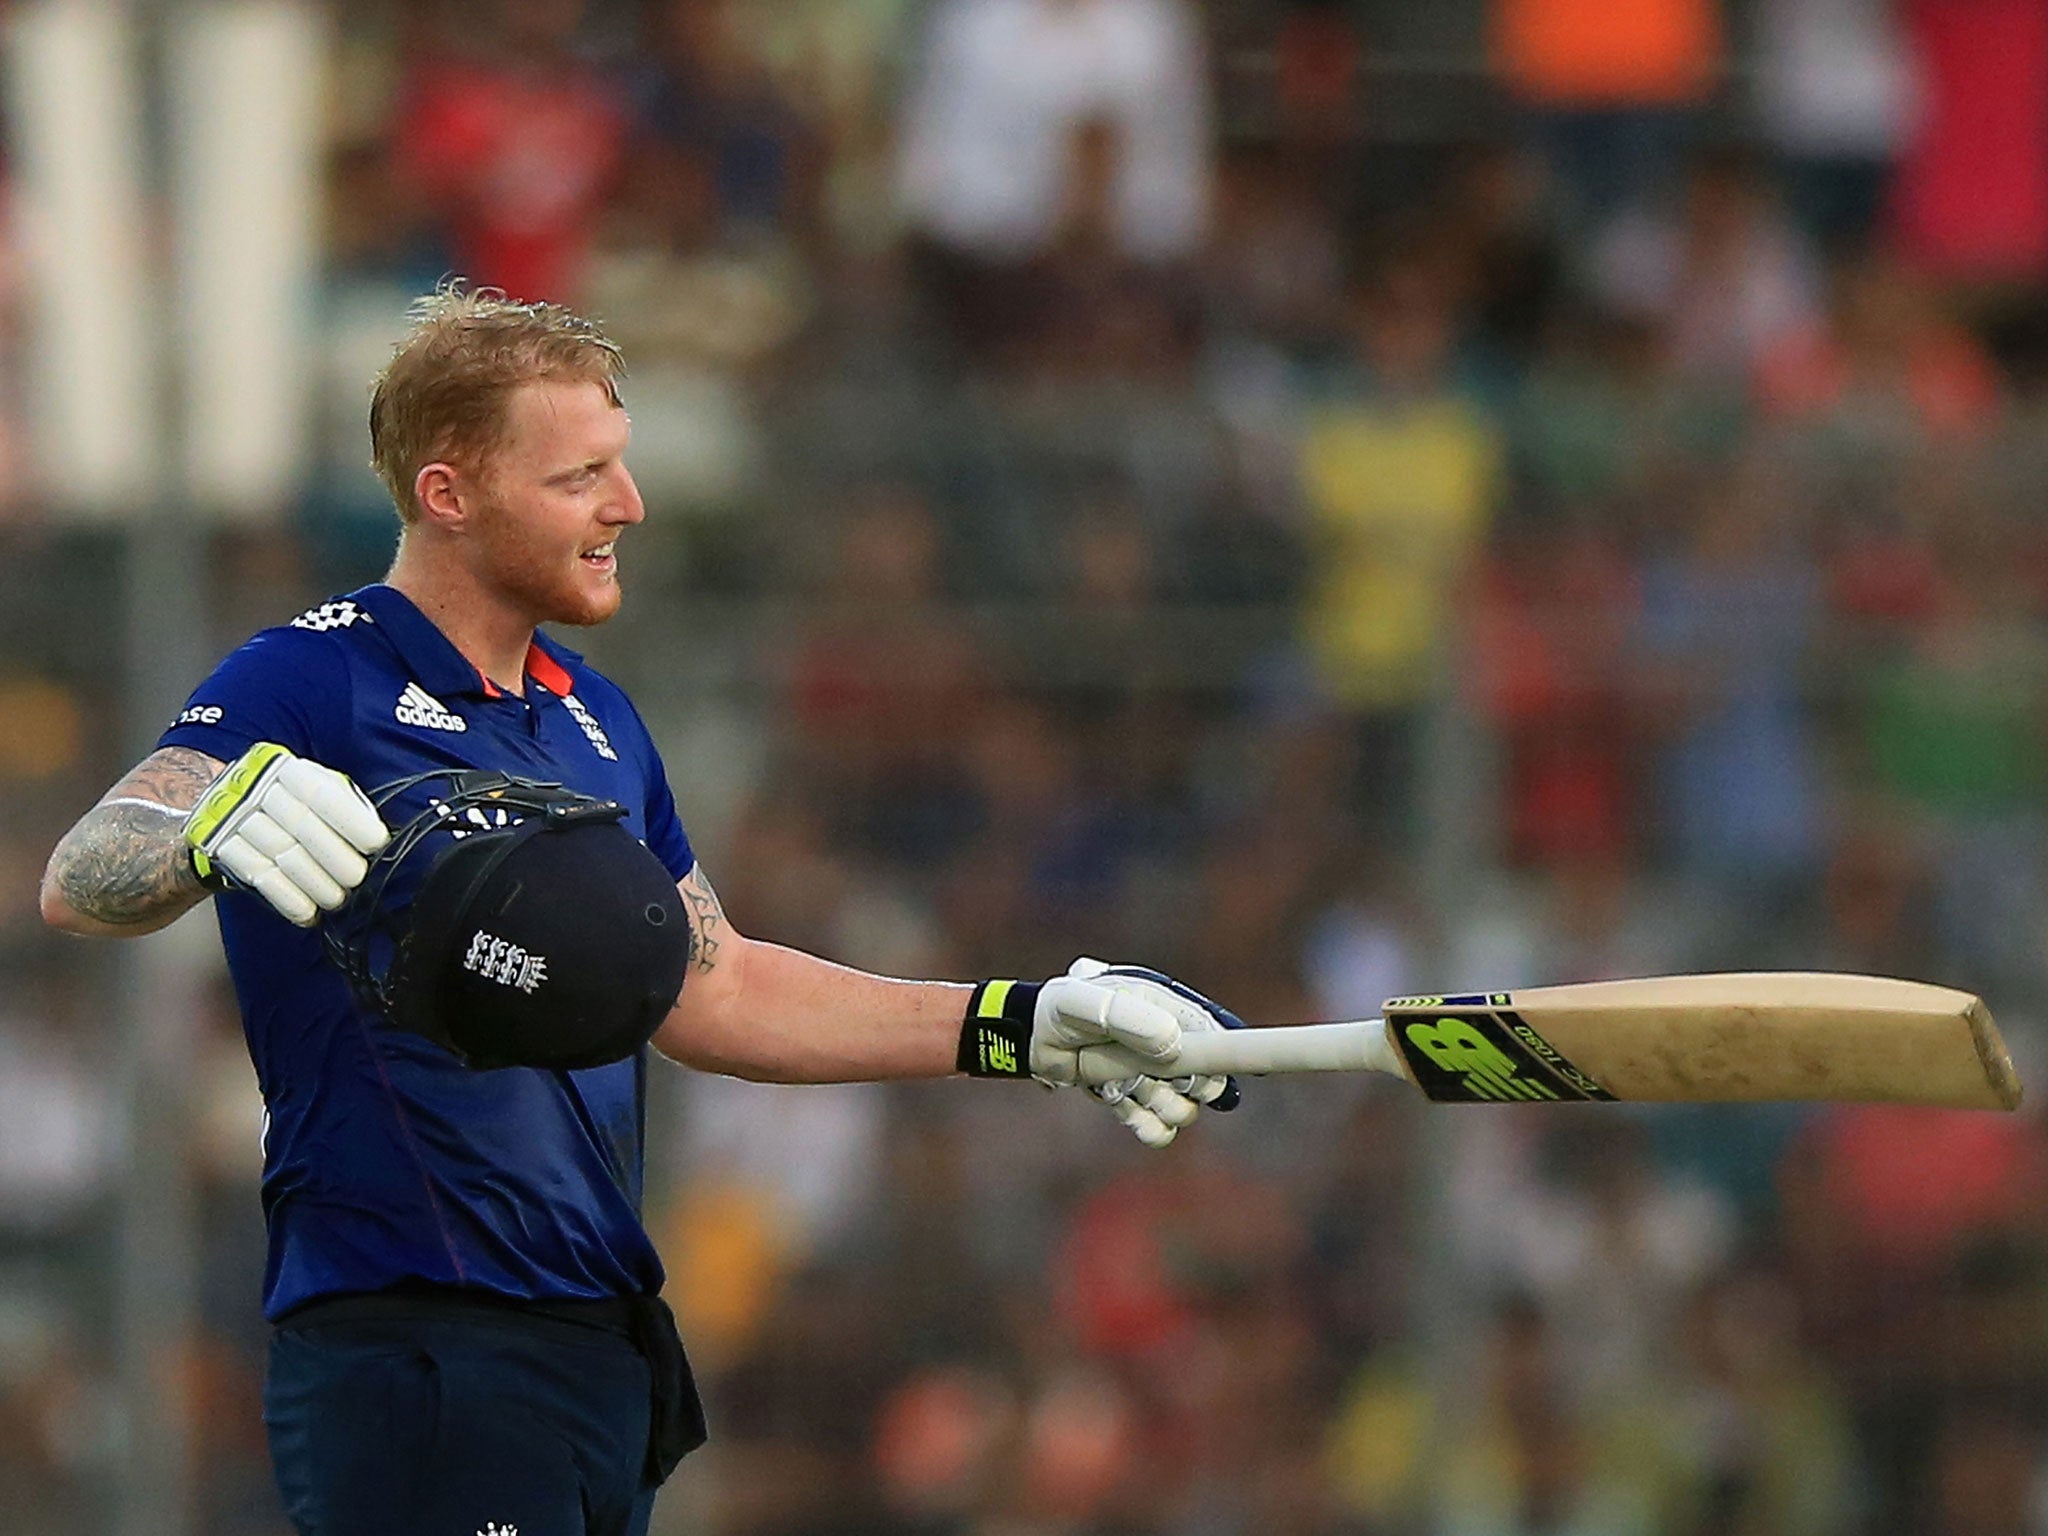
(442,495)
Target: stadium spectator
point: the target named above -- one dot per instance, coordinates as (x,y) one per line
(1768,1444)
(713,133)
(1885,368)
(1838,92)
(1951,730)
(1574,1214)
(1526,1455)
(516,141)
(884,688)
(1401,473)
(1972,191)
(1550,634)
(53,1152)
(1727,621)
(1721,279)
(1613,89)
(1914,1239)
(1041,124)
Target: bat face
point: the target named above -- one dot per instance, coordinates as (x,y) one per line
(1716,1038)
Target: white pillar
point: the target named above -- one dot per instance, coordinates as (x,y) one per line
(246,89)
(72,78)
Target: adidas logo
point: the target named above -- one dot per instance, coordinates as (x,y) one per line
(416,706)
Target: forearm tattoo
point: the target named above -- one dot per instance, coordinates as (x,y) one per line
(707,919)
(125,861)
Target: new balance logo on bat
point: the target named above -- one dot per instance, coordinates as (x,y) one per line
(416,706)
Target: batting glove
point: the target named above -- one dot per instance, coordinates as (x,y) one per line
(1039,1029)
(1155,1108)
(287,828)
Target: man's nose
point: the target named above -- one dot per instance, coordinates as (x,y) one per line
(625,504)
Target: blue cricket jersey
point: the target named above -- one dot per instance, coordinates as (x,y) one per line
(385,1159)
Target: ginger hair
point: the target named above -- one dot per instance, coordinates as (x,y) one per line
(443,397)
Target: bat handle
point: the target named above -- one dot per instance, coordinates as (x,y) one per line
(1360,1045)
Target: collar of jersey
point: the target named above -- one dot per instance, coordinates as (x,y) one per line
(443,670)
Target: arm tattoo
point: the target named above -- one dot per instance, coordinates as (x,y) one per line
(707,917)
(125,861)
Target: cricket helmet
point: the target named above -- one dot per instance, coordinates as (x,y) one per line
(515,922)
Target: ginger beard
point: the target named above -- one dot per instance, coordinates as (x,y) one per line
(551,504)
(541,574)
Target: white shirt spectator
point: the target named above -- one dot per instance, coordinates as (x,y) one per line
(1613,1268)
(1722,290)
(55,1130)
(1835,78)
(1005,89)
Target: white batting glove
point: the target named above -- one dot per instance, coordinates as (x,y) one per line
(1021,1029)
(1157,1109)
(1039,1029)
(287,828)
(1076,1010)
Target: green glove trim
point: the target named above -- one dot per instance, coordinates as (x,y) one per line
(995,1037)
(223,797)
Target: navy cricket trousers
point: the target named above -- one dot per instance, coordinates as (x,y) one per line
(477,1425)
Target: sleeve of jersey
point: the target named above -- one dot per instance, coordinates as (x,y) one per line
(665,835)
(286,685)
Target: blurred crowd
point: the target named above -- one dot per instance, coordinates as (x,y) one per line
(1332,500)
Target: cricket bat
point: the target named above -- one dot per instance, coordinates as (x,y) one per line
(1730,1038)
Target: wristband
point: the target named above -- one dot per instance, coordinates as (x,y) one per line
(995,1037)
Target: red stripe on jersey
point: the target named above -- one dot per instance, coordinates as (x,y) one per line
(547,671)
